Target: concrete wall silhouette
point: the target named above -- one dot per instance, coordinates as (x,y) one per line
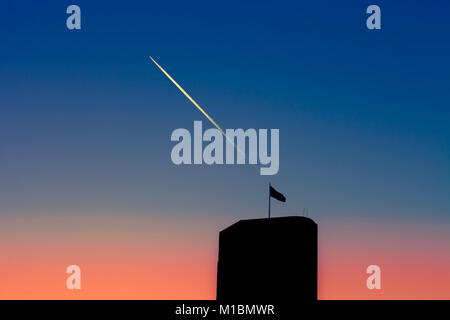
(268,260)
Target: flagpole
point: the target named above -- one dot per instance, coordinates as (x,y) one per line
(269,200)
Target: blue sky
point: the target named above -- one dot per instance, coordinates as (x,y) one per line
(86,118)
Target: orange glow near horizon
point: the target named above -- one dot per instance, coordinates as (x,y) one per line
(144,258)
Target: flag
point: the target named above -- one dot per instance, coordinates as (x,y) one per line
(275,194)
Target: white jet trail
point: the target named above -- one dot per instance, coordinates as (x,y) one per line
(196,104)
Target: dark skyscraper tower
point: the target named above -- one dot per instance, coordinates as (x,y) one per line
(268,260)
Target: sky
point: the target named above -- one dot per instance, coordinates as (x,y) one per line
(86,176)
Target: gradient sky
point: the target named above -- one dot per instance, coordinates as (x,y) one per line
(85,123)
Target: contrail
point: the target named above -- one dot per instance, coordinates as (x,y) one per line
(196,104)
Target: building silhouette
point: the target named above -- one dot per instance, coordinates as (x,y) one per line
(268,260)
